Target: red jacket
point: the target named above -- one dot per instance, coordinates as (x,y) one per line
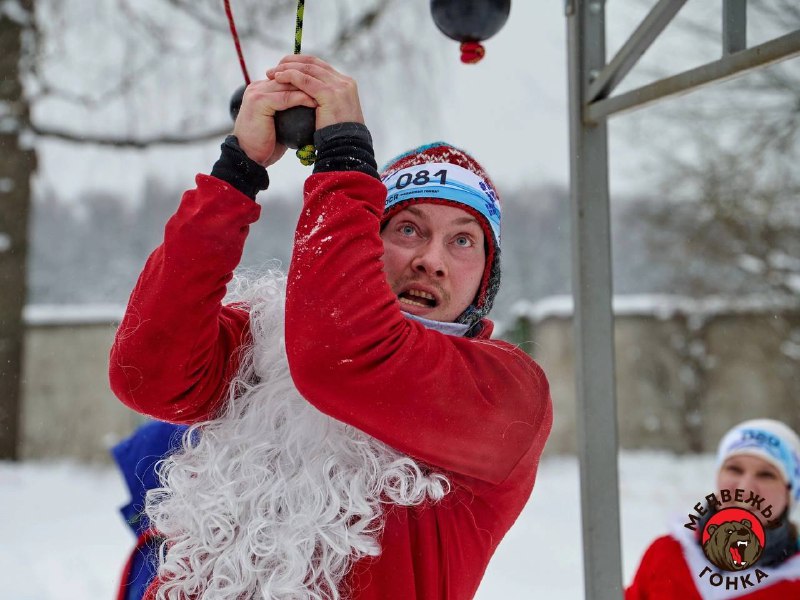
(478,410)
(671,569)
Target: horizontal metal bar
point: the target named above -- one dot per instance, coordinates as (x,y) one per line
(779,49)
(734,26)
(632,50)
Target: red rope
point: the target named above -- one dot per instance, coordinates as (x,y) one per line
(235,35)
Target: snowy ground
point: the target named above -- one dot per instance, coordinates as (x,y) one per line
(61,537)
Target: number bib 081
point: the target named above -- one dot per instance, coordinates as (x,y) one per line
(448,182)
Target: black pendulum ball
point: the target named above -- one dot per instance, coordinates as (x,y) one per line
(470,22)
(294,127)
(236,102)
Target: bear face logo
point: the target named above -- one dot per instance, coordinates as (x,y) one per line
(733,544)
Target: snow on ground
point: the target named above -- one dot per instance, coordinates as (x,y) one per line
(61,536)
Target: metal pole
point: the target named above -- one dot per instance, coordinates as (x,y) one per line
(734,26)
(729,66)
(593,322)
(656,21)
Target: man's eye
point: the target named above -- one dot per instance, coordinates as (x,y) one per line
(767,475)
(407,229)
(463,241)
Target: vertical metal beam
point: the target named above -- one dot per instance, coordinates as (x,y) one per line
(593,321)
(654,23)
(734,26)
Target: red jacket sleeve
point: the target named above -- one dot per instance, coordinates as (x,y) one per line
(174,350)
(470,406)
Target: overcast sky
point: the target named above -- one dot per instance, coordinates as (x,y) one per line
(510,110)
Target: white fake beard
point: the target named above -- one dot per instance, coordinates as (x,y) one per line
(274,499)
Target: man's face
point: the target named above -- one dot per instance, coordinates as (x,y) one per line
(434,259)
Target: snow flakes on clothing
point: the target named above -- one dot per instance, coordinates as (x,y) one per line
(274,499)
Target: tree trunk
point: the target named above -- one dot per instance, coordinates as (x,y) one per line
(17,165)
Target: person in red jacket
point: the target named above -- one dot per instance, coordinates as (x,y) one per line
(360,434)
(761,456)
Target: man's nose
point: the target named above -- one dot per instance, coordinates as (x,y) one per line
(430,261)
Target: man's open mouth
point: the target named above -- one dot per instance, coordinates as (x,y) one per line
(418,298)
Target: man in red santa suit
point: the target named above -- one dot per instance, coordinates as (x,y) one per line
(356,433)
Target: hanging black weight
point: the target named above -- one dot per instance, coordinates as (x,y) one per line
(236,102)
(470,20)
(295,127)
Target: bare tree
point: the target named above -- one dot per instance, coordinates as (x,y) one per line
(724,179)
(722,201)
(135,74)
(175,60)
(17,164)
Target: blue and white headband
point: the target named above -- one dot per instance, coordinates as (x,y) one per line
(447,182)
